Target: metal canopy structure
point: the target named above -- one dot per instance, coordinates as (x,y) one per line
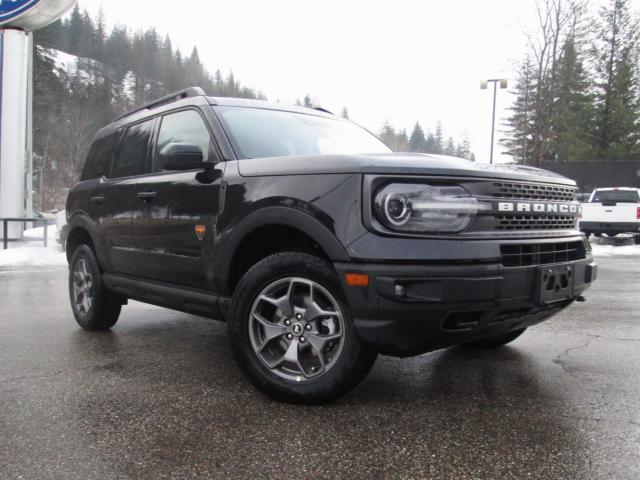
(30,15)
(17,19)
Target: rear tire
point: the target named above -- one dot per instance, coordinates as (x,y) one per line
(497,341)
(94,308)
(636,239)
(291,332)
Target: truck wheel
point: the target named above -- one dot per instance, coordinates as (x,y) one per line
(636,239)
(497,341)
(291,331)
(94,309)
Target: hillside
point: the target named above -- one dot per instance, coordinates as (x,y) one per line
(84,77)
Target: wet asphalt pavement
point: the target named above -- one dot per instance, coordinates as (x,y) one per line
(159,397)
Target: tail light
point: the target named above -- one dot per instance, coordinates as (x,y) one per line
(638,213)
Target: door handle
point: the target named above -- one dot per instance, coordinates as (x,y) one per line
(146,196)
(98,199)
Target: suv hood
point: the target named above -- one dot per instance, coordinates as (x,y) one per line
(394,164)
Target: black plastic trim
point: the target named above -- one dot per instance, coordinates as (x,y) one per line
(184,299)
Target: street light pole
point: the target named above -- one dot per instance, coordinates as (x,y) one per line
(484,85)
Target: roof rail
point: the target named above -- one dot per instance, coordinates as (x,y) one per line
(320,109)
(172,97)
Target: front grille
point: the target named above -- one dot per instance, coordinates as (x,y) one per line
(533,191)
(530,222)
(541,254)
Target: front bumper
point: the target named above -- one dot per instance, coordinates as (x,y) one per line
(610,227)
(410,309)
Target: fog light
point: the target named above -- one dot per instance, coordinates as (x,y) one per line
(400,290)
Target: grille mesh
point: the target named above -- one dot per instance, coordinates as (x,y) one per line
(529,222)
(532,191)
(541,254)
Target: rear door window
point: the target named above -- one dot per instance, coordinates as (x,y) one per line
(131,157)
(183,127)
(616,196)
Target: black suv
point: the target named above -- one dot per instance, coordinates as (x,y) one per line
(319,246)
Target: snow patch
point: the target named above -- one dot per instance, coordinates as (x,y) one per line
(615,250)
(66,62)
(32,253)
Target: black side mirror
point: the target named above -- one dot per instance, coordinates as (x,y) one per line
(183,156)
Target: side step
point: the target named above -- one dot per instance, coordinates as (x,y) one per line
(184,299)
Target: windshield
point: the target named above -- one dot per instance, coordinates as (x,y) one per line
(616,196)
(256,133)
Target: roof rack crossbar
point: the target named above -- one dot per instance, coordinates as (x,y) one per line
(172,97)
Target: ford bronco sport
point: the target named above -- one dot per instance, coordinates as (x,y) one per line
(319,246)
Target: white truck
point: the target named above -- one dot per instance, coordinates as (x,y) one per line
(612,211)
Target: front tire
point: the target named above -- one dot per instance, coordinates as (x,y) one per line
(291,331)
(497,341)
(94,309)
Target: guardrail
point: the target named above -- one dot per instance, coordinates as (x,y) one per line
(24,221)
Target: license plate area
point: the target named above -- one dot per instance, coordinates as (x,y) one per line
(555,283)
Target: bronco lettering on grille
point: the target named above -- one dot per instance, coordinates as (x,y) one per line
(529,207)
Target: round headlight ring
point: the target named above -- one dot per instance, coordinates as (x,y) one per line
(397,209)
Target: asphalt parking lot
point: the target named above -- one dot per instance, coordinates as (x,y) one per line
(159,397)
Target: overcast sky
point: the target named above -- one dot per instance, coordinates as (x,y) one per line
(397,60)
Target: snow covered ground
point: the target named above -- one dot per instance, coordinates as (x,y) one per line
(615,250)
(610,247)
(32,253)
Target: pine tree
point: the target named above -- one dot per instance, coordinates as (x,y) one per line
(439,140)
(219,84)
(572,119)
(615,56)
(100,36)
(417,141)
(388,135)
(75,28)
(463,149)
(307,101)
(449,147)
(518,141)
(402,141)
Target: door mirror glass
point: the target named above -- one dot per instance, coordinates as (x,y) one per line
(182,156)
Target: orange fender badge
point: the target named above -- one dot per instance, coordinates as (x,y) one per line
(200,231)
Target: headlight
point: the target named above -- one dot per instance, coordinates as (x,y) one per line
(407,207)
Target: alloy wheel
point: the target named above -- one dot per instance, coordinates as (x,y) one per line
(297,329)
(82,287)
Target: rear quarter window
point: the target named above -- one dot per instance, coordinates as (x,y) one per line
(99,159)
